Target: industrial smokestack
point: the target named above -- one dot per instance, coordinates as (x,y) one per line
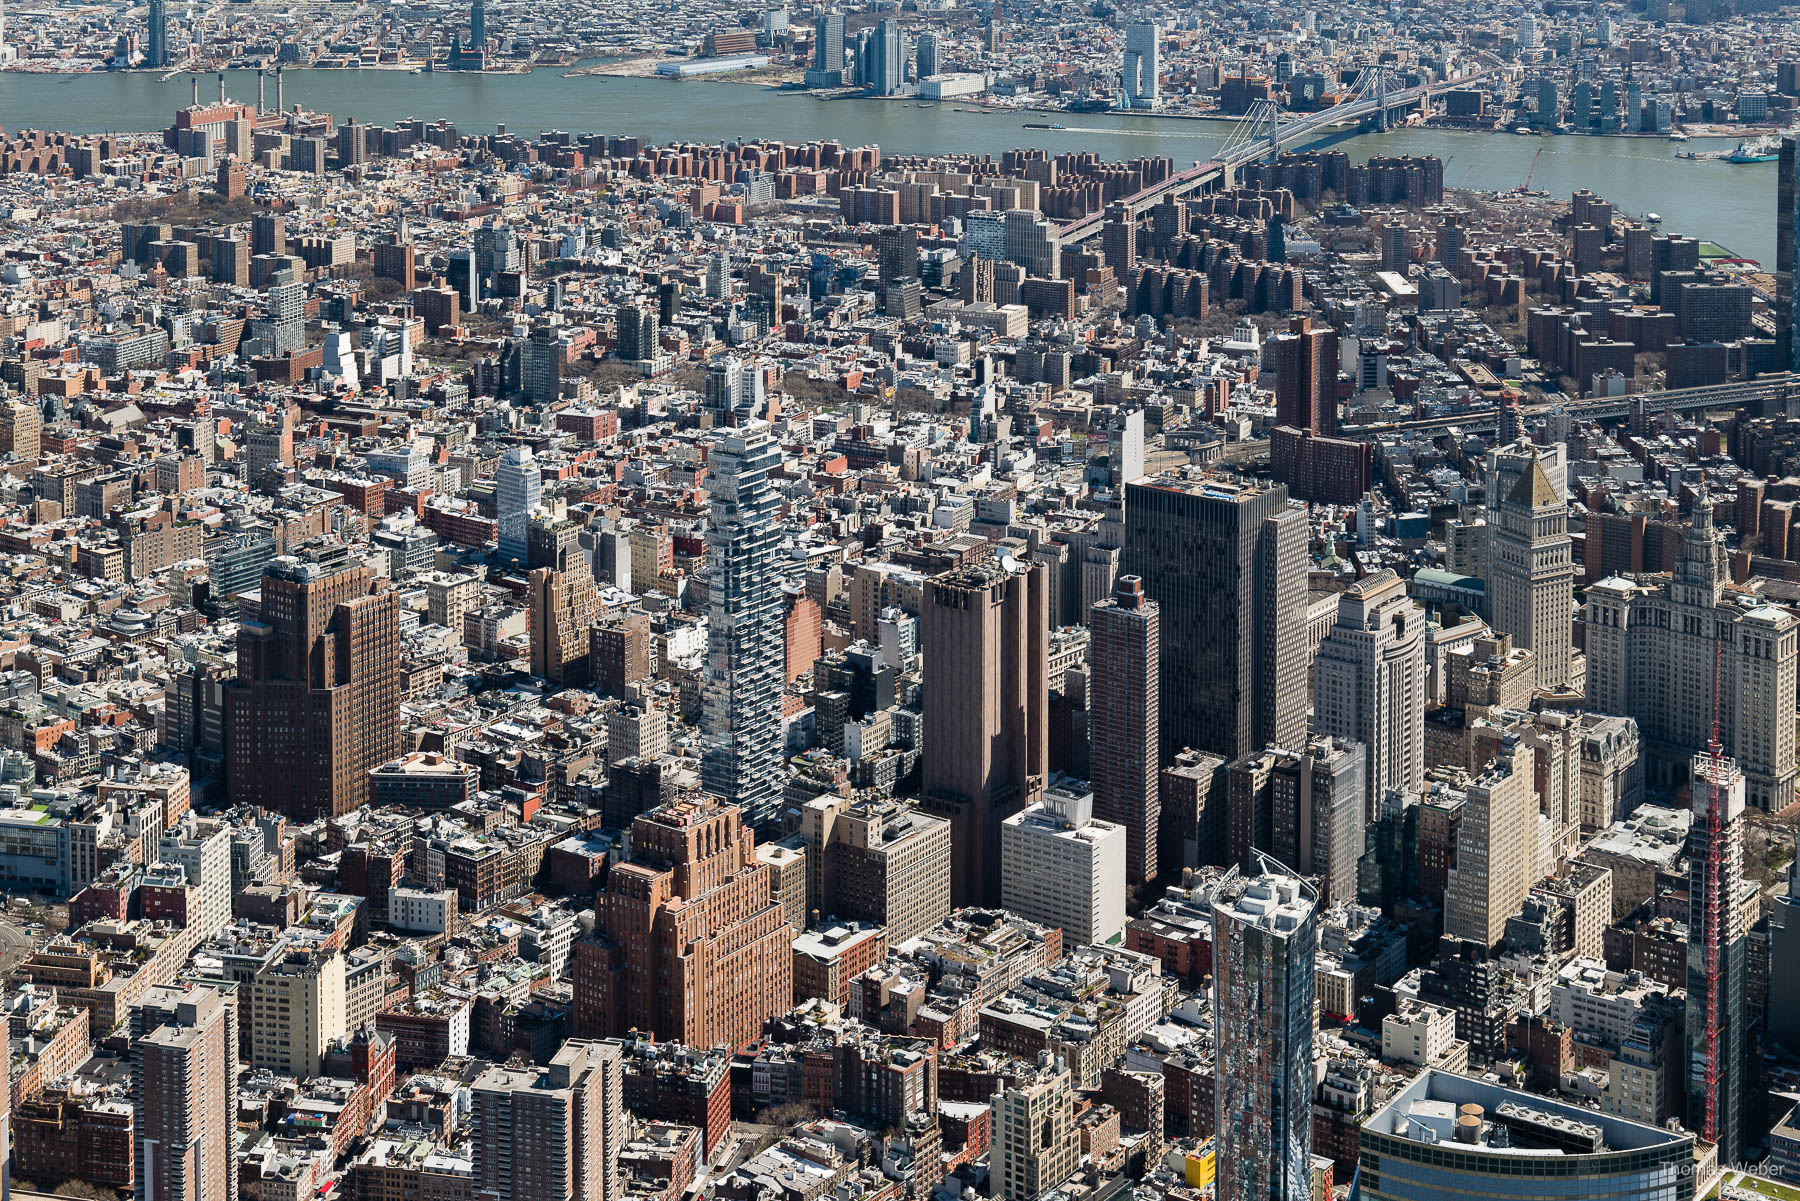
(262,81)
(196,83)
(221,87)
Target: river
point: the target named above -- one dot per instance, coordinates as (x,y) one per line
(1731,205)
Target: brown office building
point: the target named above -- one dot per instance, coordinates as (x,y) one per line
(185,1093)
(1306,377)
(620,653)
(689,944)
(564,605)
(1124,699)
(316,704)
(984,632)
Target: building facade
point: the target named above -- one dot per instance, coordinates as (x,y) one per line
(1125,694)
(1655,650)
(740,728)
(985,637)
(1264,945)
(1225,560)
(316,704)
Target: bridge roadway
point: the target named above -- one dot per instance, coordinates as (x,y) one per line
(1298,130)
(1604,408)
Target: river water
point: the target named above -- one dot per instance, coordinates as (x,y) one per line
(1731,205)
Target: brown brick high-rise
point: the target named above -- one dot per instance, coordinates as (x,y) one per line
(1306,362)
(689,945)
(1125,699)
(317,700)
(985,634)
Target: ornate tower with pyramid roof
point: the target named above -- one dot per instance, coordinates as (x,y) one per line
(1531,574)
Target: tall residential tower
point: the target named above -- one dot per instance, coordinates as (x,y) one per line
(742,756)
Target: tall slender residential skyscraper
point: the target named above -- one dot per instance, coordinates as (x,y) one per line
(316,703)
(1225,558)
(1369,682)
(1717,957)
(1787,237)
(984,632)
(184,1088)
(742,756)
(518,489)
(1123,700)
(828,41)
(1264,941)
(551,1133)
(1531,572)
(156,37)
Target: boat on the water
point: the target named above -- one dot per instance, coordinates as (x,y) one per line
(1765,149)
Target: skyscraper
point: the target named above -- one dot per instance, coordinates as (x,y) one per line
(1036,1145)
(551,1133)
(1717,957)
(1496,850)
(984,633)
(1306,362)
(1674,651)
(1225,559)
(928,55)
(1369,682)
(742,747)
(1264,941)
(1124,697)
(317,700)
(689,944)
(734,391)
(1316,810)
(156,37)
(1143,64)
(478,26)
(1531,573)
(1787,238)
(518,489)
(897,252)
(184,1089)
(828,41)
(887,51)
(564,604)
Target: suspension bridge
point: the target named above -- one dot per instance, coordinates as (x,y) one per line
(1266,130)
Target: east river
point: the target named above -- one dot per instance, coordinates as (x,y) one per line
(1731,205)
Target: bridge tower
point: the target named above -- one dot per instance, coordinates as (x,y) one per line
(1274,135)
(1381,112)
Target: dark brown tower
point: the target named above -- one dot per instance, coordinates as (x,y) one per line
(1125,699)
(317,700)
(985,634)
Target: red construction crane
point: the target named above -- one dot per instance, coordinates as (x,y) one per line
(1526,186)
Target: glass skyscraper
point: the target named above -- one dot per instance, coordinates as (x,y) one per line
(1264,940)
(518,488)
(742,756)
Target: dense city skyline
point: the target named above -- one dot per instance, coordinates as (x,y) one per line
(563,664)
